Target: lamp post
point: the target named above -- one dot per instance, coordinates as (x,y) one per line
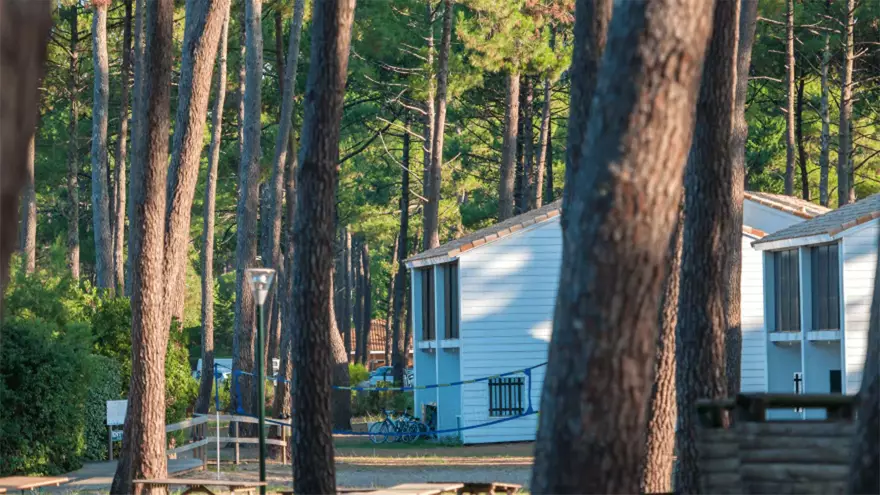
(260,280)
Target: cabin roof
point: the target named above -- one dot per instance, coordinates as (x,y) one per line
(789,204)
(827,227)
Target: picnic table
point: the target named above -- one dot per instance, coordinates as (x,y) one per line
(204,485)
(418,489)
(26,483)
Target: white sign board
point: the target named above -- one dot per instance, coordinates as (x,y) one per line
(116,412)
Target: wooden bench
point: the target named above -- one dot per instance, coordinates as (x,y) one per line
(204,485)
(26,483)
(418,489)
(474,488)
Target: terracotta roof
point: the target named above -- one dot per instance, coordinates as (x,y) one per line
(831,223)
(789,204)
(489,234)
(377,337)
(753,231)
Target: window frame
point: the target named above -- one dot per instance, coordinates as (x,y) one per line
(786,283)
(825,286)
(506,396)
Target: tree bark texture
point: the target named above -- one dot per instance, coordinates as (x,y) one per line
(204,26)
(600,369)
(242,79)
(825,136)
(346,292)
(28,234)
(392,292)
(799,136)
(864,475)
(430,113)
(73,147)
(248,203)
(790,98)
(137,121)
(100,106)
(363,341)
(434,175)
(317,178)
(592,18)
(662,411)
(508,148)
(25,25)
(207,314)
(272,222)
(543,138)
(708,229)
(528,176)
(733,344)
(340,407)
(845,188)
(119,186)
(398,349)
(549,195)
(358,303)
(143,453)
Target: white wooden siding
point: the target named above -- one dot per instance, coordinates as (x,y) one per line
(859,263)
(754,343)
(508,292)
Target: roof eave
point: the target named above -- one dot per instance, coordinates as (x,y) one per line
(774,245)
(433,260)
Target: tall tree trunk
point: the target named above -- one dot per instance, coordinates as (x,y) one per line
(73,147)
(708,222)
(392,292)
(790,97)
(26,28)
(845,187)
(528,176)
(430,114)
(207,378)
(662,412)
(248,202)
(592,18)
(733,344)
(340,407)
(508,148)
(599,375)
(346,292)
(100,104)
(28,235)
(398,348)
(272,221)
(825,139)
(317,176)
(137,121)
(518,170)
(358,304)
(119,186)
(434,175)
(865,460)
(242,80)
(367,318)
(549,195)
(799,136)
(543,138)
(143,449)
(204,26)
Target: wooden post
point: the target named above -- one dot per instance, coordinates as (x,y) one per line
(235,440)
(284,444)
(204,448)
(110,442)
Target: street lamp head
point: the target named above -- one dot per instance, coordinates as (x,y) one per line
(260,281)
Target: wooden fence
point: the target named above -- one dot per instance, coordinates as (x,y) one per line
(201,440)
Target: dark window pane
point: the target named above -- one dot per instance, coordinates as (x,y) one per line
(786,293)
(835,379)
(826,287)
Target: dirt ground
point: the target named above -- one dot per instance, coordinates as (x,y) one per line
(360,464)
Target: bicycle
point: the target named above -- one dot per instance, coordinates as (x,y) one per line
(411,427)
(379,431)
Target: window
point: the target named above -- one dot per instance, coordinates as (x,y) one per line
(836,381)
(786,283)
(506,396)
(825,276)
(450,288)
(428,332)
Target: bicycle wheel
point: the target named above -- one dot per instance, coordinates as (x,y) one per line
(379,432)
(412,432)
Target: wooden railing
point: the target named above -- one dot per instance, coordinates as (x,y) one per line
(203,425)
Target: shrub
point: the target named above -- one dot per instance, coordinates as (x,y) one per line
(357,373)
(44,377)
(373,403)
(105,383)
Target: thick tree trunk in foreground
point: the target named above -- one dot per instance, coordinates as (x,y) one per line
(708,229)
(824,114)
(604,338)
(143,452)
(747,20)
(434,174)
(119,186)
(73,148)
(317,177)
(272,222)
(207,379)
(592,18)
(790,97)
(662,412)
(100,107)
(864,477)
(543,139)
(28,233)
(248,202)
(845,187)
(26,26)
(508,148)
(398,349)
(204,26)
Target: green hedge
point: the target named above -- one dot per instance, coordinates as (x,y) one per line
(105,384)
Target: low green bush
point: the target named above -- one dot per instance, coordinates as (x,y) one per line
(357,373)
(105,383)
(366,403)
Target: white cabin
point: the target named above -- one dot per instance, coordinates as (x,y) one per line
(819,281)
(483,305)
